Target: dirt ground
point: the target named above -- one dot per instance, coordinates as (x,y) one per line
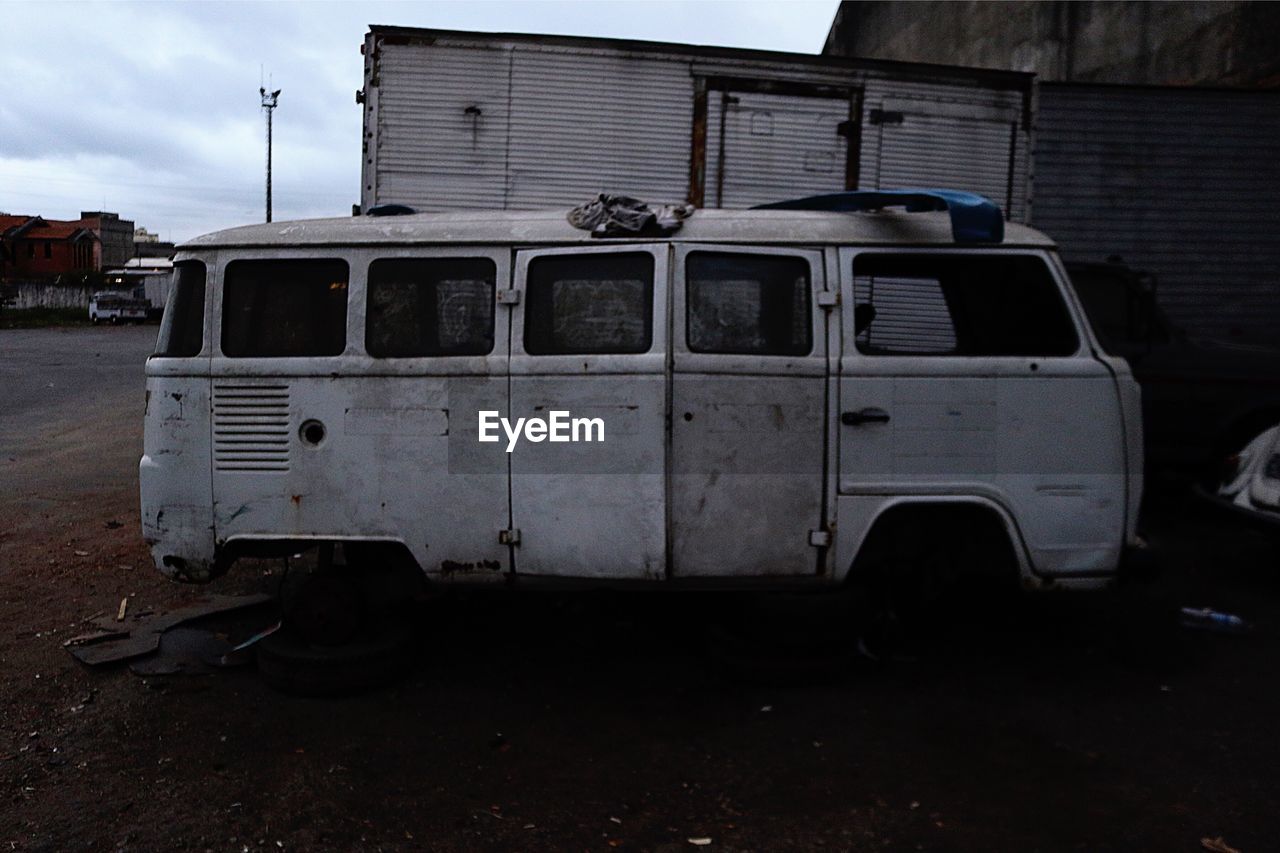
(1085,722)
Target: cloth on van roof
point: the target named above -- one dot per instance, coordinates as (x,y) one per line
(622,216)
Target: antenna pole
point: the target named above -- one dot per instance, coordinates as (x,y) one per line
(269,104)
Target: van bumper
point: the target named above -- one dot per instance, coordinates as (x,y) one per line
(180,535)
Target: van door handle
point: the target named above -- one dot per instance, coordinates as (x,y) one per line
(866,416)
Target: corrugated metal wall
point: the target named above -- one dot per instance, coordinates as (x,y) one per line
(1181,182)
(459,121)
(948,136)
(431,152)
(583,123)
(776,147)
(500,126)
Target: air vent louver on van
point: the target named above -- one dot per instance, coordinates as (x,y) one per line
(250,427)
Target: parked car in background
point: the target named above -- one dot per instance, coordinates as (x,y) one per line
(114,306)
(1203,400)
(1251,480)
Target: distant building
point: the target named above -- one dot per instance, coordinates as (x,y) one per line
(115,237)
(1230,43)
(149,245)
(32,247)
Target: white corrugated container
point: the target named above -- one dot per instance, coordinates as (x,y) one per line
(469,120)
(776,147)
(589,122)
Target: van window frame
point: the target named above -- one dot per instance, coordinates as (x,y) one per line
(813,362)
(332,255)
(355,361)
(524,362)
(170,318)
(496,341)
(853,360)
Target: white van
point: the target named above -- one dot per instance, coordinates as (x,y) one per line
(779,393)
(113,306)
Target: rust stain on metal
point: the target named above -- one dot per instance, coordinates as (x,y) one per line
(698,146)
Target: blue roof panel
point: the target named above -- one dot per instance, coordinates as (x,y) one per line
(974,218)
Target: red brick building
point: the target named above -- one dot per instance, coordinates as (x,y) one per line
(32,247)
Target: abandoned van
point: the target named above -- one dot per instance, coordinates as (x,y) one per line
(752,397)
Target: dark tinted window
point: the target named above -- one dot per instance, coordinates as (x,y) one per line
(283,308)
(1108,303)
(430,307)
(182,329)
(752,304)
(966,305)
(589,304)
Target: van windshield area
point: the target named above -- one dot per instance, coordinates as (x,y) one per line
(182,327)
(1121,314)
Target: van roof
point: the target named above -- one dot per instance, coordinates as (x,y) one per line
(550,227)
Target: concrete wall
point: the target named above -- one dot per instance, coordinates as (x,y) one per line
(40,294)
(1193,43)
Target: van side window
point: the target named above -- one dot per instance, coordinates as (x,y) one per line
(430,307)
(589,304)
(963,305)
(748,304)
(284,308)
(182,329)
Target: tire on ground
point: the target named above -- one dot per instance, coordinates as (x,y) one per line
(291,665)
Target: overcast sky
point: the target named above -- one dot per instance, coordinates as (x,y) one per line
(152,109)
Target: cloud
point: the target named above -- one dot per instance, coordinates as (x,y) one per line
(152,109)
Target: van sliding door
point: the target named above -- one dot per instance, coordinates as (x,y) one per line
(748,406)
(589,349)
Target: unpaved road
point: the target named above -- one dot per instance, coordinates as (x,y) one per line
(1062,723)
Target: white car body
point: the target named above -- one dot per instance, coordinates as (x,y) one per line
(116,306)
(717,467)
(1255,485)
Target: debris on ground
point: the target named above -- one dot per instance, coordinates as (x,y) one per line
(124,607)
(1217,845)
(97,635)
(1205,619)
(143,636)
(700,842)
(185,651)
(87,699)
(237,655)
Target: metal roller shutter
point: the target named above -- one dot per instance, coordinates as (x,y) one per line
(1176,181)
(583,123)
(776,147)
(442,127)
